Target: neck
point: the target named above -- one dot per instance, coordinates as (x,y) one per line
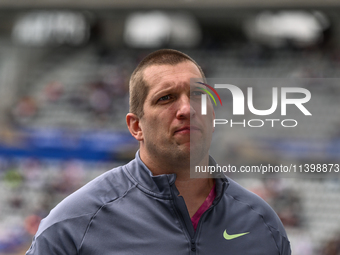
(179,165)
(194,192)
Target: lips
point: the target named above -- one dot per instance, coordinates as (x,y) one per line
(187,129)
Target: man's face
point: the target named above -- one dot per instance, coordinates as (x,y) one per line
(172,113)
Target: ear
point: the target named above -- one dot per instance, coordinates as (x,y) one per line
(132,122)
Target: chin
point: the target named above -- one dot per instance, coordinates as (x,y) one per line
(199,151)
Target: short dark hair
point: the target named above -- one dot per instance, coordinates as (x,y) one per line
(138,86)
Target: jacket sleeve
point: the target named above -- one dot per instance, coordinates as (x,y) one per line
(285,248)
(61,238)
(281,241)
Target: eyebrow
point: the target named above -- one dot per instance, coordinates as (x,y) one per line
(166,89)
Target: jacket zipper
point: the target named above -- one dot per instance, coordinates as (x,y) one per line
(181,217)
(206,212)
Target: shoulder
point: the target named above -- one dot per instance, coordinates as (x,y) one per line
(69,220)
(248,198)
(90,198)
(256,209)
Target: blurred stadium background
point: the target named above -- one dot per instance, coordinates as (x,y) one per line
(64,71)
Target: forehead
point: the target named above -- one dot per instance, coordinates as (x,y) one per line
(163,75)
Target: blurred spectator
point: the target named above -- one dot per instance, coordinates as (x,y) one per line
(99,99)
(32,223)
(53,91)
(78,98)
(70,177)
(285,201)
(115,80)
(31,169)
(301,242)
(25,109)
(13,178)
(4,164)
(332,247)
(9,136)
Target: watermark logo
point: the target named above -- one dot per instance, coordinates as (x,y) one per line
(239,99)
(204,97)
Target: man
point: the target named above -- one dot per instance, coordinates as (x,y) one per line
(151,205)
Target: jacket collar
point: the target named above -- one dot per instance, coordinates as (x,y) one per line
(160,185)
(141,175)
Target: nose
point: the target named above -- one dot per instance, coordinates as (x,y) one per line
(185,109)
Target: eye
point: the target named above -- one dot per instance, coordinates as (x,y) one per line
(164,98)
(197,93)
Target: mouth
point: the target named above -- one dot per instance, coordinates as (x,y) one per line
(187,129)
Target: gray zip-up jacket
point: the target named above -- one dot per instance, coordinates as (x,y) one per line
(129,211)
